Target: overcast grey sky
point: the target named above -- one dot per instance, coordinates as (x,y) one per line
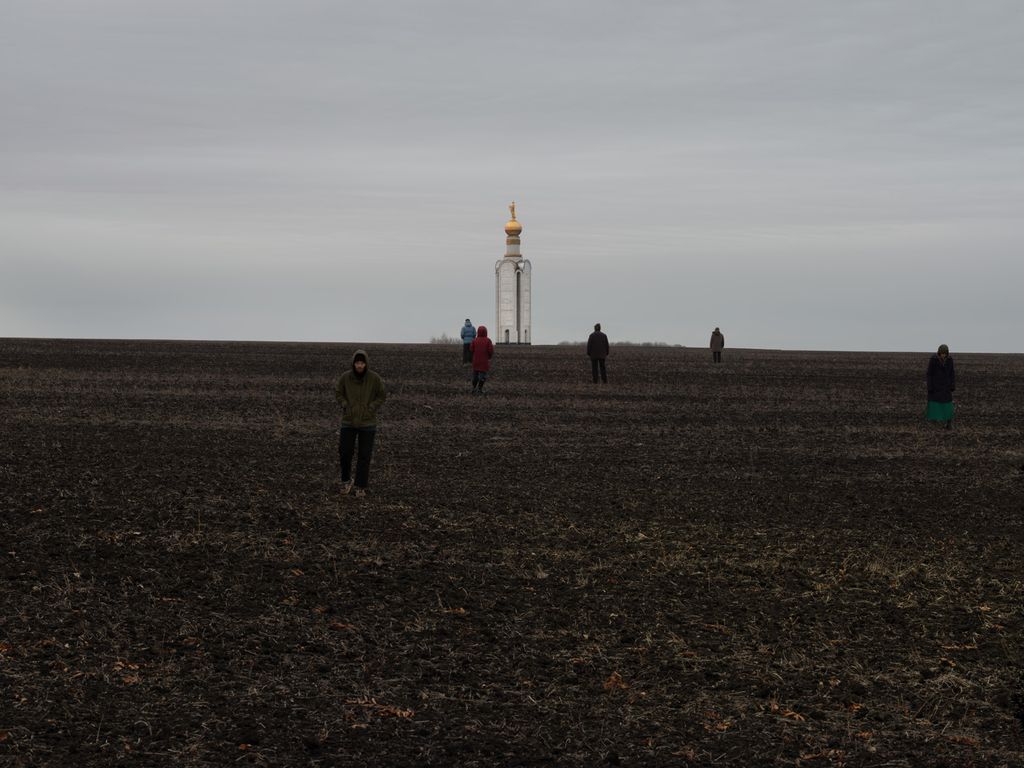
(804,174)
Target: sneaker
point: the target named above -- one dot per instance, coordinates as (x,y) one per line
(360,493)
(346,488)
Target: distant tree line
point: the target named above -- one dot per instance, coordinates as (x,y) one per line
(444,338)
(622,344)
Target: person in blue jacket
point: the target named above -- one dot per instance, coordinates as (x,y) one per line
(468,334)
(941,380)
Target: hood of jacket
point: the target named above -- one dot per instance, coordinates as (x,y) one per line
(356,355)
(481,331)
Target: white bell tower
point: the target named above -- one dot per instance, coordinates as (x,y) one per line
(512,285)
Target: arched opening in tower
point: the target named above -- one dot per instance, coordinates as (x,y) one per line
(519,306)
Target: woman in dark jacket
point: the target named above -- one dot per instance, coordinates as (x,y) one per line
(941,379)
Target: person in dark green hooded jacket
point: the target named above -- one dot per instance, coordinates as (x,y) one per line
(360,393)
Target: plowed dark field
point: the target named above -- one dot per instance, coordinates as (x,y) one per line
(773,561)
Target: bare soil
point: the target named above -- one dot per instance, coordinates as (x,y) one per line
(769,562)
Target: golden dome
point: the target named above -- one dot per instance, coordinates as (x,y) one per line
(513,227)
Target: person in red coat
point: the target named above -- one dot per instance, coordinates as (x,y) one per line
(482,350)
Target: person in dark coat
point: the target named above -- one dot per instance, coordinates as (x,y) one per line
(717,345)
(597,351)
(468,334)
(482,350)
(360,393)
(941,380)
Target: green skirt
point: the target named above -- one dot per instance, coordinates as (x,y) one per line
(939,411)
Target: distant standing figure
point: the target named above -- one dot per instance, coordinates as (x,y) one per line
(468,334)
(941,379)
(482,350)
(360,393)
(717,345)
(597,351)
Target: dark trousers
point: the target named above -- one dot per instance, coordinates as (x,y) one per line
(347,447)
(597,364)
(479,378)
(467,356)
(716,355)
